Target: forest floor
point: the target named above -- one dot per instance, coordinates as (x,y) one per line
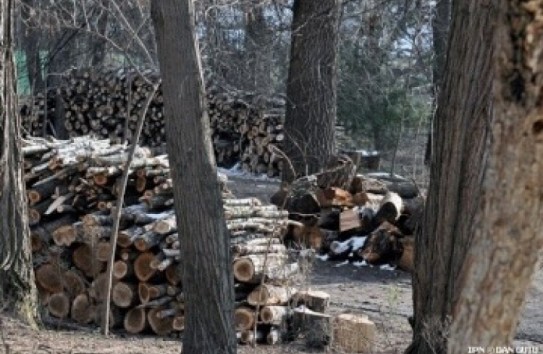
(383,295)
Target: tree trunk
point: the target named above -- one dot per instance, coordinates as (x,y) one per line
(17,287)
(206,258)
(98,44)
(311,87)
(258,42)
(508,238)
(30,44)
(440,32)
(462,120)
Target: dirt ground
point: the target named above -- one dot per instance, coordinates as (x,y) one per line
(383,295)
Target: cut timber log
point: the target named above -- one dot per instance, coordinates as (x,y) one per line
(135,320)
(251,269)
(354,334)
(142,266)
(274,315)
(160,326)
(315,300)
(59,305)
(83,312)
(123,294)
(267,294)
(49,278)
(315,326)
(390,208)
(244,318)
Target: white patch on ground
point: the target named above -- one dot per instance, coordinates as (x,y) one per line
(341,264)
(387,267)
(322,257)
(361,264)
(385,175)
(236,171)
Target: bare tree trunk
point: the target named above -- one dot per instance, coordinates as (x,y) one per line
(17,288)
(311,87)
(258,41)
(206,258)
(462,121)
(508,235)
(98,49)
(440,32)
(30,45)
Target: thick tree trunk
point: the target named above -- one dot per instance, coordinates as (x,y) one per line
(507,238)
(462,120)
(311,87)
(206,265)
(17,288)
(440,33)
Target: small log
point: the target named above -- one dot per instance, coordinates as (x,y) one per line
(127,237)
(250,269)
(122,269)
(147,292)
(245,249)
(49,278)
(178,323)
(85,261)
(268,294)
(147,240)
(354,333)
(315,300)
(135,320)
(123,294)
(244,318)
(83,312)
(142,266)
(274,315)
(173,275)
(74,284)
(59,305)
(160,326)
(315,326)
(390,208)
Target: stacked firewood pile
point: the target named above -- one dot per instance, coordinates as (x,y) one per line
(71,186)
(108,105)
(371,218)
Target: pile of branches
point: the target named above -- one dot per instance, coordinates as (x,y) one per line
(108,105)
(369,219)
(72,186)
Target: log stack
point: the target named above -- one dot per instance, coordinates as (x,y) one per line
(71,187)
(108,105)
(371,219)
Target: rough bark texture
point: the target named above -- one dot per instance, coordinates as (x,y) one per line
(311,87)
(440,34)
(508,235)
(30,44)
(462,120)
(206,266)
(258,42)
(17,288)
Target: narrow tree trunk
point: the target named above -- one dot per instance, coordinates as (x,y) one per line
(206,265)
(508,224)
(98,44)
(258,42)
(17,288)
(440,33)
(462,121)
(30,44)
(311,87)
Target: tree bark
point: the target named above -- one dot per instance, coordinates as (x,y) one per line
(462,120)
(507,238)
(311,87)
(206,258)
(440,33)
(99,44)
(17,287)
(258,43)
(30,44)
